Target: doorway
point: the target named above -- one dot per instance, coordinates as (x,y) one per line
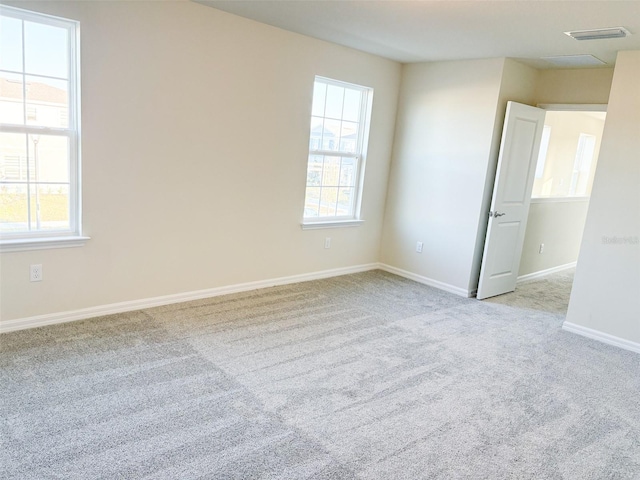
(545,173)
(562,187)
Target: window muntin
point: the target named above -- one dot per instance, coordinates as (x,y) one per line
(39,179)
(335,167)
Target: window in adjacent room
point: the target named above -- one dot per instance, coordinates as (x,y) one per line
(582,164)
(338,136)
(544,149)
(568,154)
(39,165)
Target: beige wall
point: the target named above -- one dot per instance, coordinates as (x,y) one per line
(558,224)
(195,125)
(605,295)
(442,153)
(450,119)
(584,85)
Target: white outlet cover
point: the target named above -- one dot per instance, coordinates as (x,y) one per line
(35,273)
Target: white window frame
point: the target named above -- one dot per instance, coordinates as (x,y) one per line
(72,236)
(359,157)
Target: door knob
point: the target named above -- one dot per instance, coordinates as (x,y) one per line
(496,214)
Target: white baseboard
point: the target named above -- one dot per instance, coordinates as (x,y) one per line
(544,273)
(426,280)
(85,313)
(601,337)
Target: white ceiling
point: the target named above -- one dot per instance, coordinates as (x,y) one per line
(428,30)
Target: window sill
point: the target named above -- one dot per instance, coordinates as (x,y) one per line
(331,224)
(44,243)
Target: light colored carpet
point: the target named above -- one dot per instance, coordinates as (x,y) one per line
(366,376)
(548,294)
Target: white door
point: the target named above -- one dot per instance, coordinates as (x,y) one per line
(511,198)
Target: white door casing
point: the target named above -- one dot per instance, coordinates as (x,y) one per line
(517,160)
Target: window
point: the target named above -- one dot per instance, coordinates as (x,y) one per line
(582,164)
(39,166)
(568,155)
(335,169)
(544,149)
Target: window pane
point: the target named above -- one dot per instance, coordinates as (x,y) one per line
(13,158)
(47,101)
(319,96)
(46,50)
(50,156)
(348,137)
(314,171)
(331,171)
(335,96)
(328,201)
(345,201)
(312,202)
(352,106)
(347,172)
(13,208)
(331,135)
(315,138)
(10,44)
(50,207)
(542,154)
(582,164)
(11,105)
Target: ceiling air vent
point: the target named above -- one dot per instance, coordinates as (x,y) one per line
(599,33)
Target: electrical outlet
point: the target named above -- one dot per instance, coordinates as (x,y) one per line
(327,242)
(541,248)
(419,247)
(35,273)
